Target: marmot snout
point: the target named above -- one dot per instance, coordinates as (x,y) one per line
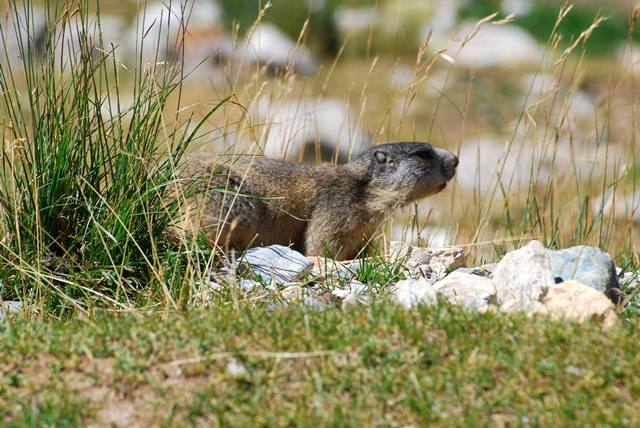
(319,209)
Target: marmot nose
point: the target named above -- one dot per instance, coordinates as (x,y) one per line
(450,165)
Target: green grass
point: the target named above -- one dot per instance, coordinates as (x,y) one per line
(85,178)
(540,20)
(378,365)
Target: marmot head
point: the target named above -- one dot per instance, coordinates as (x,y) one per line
(413,170)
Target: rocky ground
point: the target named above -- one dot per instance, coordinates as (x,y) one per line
(578,283)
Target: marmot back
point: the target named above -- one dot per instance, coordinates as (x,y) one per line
(318,209)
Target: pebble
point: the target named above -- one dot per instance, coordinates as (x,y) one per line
(432,262)
(236,369)
(296,294)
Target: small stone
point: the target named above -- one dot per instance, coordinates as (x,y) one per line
(332,269)
(236,369)
(467,290)
(412,292)
(275,263)
(295,294)
(9,308)
(399,250)
(432,262)
(588,265)
(484,270)
(355,295)
(248,285)
(574,301)
(523,275)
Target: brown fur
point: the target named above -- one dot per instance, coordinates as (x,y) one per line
(318,209)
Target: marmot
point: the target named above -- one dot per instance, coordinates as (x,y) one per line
(318,209)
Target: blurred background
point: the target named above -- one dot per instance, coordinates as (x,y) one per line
(537,97)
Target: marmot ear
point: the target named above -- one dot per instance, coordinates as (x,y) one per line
(379,156)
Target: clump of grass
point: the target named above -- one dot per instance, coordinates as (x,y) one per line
(84,177)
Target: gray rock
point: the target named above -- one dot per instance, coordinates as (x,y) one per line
(271,46)
(412,292)
(589,265)
(434,263)
(275,263)
(484,270)
(467,290)
(523,275)
(9,308)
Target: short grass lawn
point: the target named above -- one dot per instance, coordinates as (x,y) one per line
(372,366)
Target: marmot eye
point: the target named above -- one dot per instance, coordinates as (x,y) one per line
(380,157)
(425,154)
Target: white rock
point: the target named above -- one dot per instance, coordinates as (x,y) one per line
(572,300)
(292,126)
(467,290)
(412,292)
(586,160)
(445,260)
(350,20)
(271,46)
(9,308)
(445,16)
(485,162)
(494,45)
(531,307)
(540,85)
(523,275)
(355,295)
(164,24)
(295,294)
(582,107)
(516,7)
(236,369)
(275,263)
(17,27)
(628,57)
(439,260)
(621,206)
(401,77)
(436,262)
